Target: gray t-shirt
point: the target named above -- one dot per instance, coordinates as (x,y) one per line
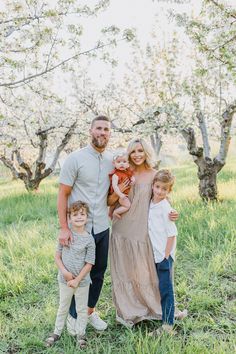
(87,172)
(74,257)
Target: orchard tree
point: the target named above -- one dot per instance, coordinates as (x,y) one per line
(213,32)
(38,37)
(193,101)
(40,41)
(34,129)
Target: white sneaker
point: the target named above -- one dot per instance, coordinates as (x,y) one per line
(97,322)
(70,325)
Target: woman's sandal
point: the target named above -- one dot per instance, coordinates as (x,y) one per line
(82,343)
(53,338)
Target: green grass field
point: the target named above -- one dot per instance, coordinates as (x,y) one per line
(204,274)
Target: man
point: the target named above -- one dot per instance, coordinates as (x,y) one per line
(85,176)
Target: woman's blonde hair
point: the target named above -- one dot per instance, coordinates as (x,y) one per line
(147,148)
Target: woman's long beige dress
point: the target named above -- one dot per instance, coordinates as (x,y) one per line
(134,279)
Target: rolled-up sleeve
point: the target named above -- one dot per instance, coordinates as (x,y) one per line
(69,171)
(90,252)
(170,227)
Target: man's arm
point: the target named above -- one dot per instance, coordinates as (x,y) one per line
(65,235)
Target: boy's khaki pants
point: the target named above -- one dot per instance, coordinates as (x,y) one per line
(81,301)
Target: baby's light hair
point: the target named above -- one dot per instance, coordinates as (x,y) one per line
(119,153)
(164,176)
(77,206)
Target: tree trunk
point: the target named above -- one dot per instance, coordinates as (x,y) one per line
(207,174)
(32,185)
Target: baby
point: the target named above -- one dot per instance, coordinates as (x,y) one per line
(118,175)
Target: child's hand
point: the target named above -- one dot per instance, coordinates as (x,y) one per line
(73,283)
(132,180)
(173,215)
(68,275)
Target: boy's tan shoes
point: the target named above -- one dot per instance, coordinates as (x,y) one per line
(96,322)
(52,339)
(81,342)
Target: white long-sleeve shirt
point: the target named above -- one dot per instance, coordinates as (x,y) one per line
(160,227)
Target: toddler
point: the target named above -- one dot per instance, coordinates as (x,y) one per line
(118,175)
(74,264)
(162,233)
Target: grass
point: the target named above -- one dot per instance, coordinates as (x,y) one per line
(204,274)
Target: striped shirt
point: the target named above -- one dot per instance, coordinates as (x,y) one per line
(74,257)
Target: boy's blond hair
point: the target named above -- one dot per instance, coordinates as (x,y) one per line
(164,175)
(77,206)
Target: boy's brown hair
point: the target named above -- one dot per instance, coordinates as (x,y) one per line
(76,206)
(165,176)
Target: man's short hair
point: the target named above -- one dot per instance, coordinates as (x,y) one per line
(100,117)
(77,206)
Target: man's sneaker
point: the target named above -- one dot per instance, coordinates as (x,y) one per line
(97,322)
(70,325)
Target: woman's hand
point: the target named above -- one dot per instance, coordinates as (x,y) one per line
(113,198)
(173,215)
(124,185)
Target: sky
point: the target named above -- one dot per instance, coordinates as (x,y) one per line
(141,15)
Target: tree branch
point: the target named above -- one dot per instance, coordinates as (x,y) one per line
(225,132)
(204,133)
(48,70)
(194,150)
(22,163)
(64,142)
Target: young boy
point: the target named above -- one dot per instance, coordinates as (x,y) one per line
(74,264)
(162,233)
(121,172)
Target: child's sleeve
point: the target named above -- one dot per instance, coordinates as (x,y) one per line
(90,252)
(170,227)
(59,248)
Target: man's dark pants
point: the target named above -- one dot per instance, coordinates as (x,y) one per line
(164,272)
(97,273)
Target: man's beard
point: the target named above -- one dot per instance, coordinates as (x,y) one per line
(99,144)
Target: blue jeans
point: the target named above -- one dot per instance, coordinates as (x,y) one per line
(164,272)
(97,272)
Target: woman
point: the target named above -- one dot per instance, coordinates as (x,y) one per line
(134,280)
